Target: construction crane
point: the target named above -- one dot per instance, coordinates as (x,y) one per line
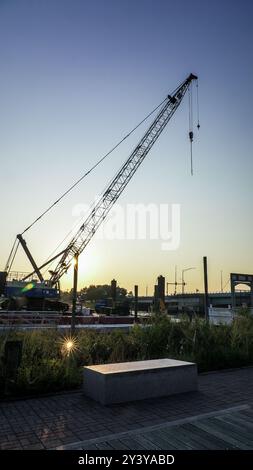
(101,208)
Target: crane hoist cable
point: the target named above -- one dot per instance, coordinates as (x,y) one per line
(113,191)
(190,123)
(191,137)
(197,88)
(101,208)
(12,255)
(191,118)
(92,168)
(10,261)
(58,246)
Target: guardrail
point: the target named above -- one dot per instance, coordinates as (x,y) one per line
(17,318)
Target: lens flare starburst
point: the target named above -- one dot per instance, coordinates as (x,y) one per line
(69,345)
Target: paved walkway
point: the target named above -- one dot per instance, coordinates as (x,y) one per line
(227,429)
(220,414)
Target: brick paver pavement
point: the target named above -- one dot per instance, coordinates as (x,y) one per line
(62,419)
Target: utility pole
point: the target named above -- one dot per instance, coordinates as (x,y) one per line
(221,281)
(74,298)
(175,284)
(183,283)
(175,293)
(113,292)
(135,302)
(206,302)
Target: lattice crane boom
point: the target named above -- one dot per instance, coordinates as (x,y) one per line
(101,208)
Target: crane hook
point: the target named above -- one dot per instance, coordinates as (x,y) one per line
(191,140)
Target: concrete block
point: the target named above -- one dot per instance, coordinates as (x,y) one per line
(130,381)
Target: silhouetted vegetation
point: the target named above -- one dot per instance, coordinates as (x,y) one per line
(44,368)
(94,292)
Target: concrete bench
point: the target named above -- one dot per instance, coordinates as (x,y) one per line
(129,381)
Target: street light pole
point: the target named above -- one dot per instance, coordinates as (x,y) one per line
(135,303)
(74,298)
(206,288)
(183,283)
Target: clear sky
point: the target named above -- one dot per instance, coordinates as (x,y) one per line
(75,76)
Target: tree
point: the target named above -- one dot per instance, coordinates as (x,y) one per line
(101,292)
(66,296)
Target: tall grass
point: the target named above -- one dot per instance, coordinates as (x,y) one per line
(44,368)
